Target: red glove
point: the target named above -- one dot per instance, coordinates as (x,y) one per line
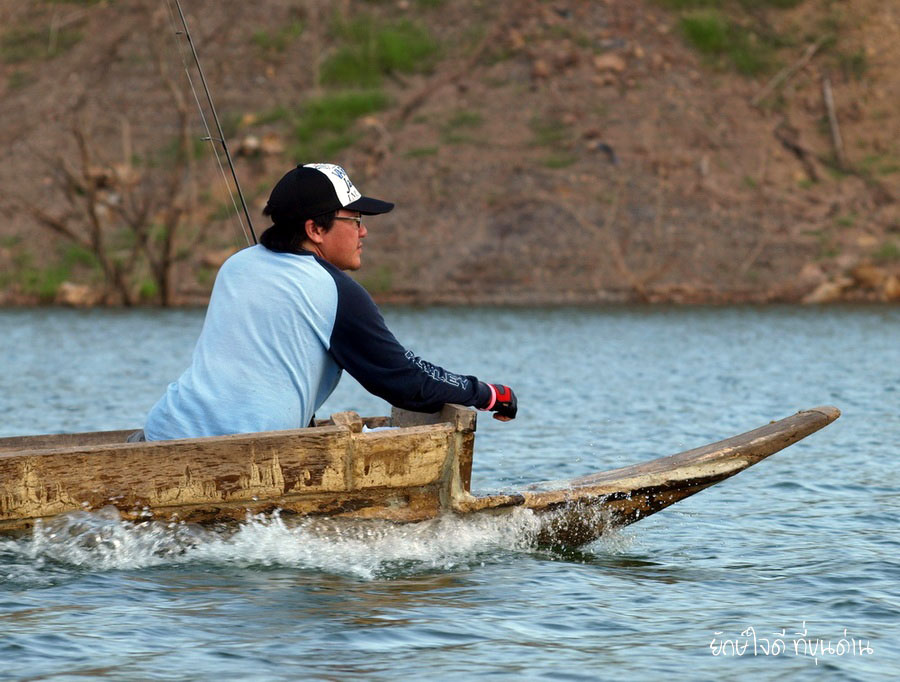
(503,402)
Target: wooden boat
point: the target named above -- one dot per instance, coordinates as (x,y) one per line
(417,468)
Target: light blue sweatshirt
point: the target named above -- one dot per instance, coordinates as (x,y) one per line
(278,331)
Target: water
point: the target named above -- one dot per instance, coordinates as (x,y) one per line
(806,543)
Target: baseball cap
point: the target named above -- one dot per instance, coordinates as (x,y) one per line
(316,188)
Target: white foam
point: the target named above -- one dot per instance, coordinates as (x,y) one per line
(102,541)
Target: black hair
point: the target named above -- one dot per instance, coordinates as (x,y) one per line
(288,237)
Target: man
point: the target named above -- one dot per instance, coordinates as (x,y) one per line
(284,320)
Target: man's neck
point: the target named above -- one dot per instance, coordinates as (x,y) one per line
(312,248)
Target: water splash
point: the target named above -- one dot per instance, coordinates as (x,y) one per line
(102,541)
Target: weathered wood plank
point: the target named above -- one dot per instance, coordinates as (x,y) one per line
(63,440)
(173,473)
(382,459)
(402,474)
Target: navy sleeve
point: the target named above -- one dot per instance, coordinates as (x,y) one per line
(362,344)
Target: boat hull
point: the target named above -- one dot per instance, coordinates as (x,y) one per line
(417,469)
(580,510)
(336,469)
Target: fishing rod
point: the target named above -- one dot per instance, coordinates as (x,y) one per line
(209,138)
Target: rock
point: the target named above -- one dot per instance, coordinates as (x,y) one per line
(845,261)
(515,39)
(609,62)
(604,79)
(891,288)
(272,144)
(214,259)
(866,241)
(249,146)
(828,292)
(540,69)
(812,273)
(78,295)
(565,58)
(868,275)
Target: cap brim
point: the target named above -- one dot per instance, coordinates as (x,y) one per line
(369,206)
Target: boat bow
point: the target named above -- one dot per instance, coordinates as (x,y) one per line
(579,510)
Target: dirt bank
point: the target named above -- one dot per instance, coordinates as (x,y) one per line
(574,151)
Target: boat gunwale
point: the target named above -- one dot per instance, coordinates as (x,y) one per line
(252,438)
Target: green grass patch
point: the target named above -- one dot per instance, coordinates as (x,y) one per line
(323,125)
(549,131)
(465,119)
(681,5)
(369,50)
(717,37)
(853,65)
(278,41)
(777,4)
(880,164)
(707,31)
(559,160)
(33,280)
(26,44)
(44,281)
(148,290)
(19,79)
(174,151)
(846,220)
(74,255)
(421,152)
(889,252)
(733,33)
(457,129)
(274,115)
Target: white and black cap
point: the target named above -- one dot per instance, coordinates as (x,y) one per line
(316,188)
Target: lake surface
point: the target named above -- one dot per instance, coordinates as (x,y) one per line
(803,548)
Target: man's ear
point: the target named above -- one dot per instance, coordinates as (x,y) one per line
(313,232)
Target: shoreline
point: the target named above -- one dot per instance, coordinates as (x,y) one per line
(524,300)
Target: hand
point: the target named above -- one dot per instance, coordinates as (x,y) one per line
(503,402)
